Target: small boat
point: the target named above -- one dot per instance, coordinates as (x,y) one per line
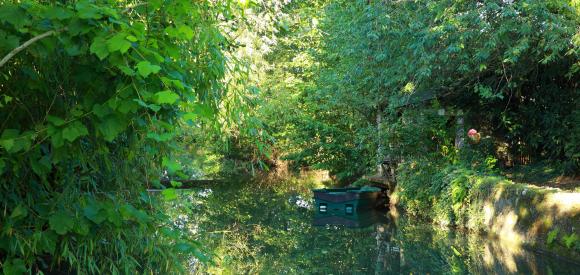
(346,201)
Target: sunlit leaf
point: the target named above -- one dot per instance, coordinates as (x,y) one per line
(166,97)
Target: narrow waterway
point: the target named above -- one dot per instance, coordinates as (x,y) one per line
(265,228)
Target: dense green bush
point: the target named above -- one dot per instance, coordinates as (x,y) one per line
(91,110)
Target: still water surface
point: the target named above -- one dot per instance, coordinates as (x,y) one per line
(252,228)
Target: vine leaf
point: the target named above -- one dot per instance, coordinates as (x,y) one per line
(81,227)
(61,222)
(74,131)
(111,127)
(167,97)
(153,107)
(145,68)
(88,11)
(94,212)
(14,142)
(58,13)
(7,139)
(118,43)
(99,48)
(56,121)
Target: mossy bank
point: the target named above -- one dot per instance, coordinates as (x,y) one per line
(546,219)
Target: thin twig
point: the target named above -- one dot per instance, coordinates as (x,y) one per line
(26,44)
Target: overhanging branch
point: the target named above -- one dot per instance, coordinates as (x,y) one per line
(26,44)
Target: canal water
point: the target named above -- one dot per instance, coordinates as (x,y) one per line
(266,228)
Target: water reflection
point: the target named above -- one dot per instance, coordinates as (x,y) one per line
(356,220)
(275,231)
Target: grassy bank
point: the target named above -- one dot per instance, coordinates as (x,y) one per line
(482,201)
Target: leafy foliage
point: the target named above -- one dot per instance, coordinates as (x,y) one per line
(89,117)
(508,67)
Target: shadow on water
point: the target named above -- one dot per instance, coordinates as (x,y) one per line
(264,229)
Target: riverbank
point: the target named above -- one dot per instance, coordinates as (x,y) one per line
(546,219)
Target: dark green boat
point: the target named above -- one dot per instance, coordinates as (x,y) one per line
(346,201)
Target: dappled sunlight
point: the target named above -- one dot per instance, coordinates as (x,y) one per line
(504,253)
(563,203)
(504,225)
(488,212)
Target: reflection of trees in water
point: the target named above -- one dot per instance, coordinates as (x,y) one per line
(259,230)
(428,249)
(388,251)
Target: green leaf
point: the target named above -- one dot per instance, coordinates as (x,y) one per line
(173,82)
(46,240)
(61,222)
(160,138)
(101,110)
(166,97)
(81,227)
(55,135)
(7,43)
(127,106)
(175,183)
(127,211)
(7,139)
(171,165)
(169,194)
(186,31)
(13,142)
(78,26)
(111,127)
(88,11)
(58,13)
(552,236)
(570,240)
(14,267)
(118,43)
(203,110)
(14,15)
(131,38)
(455,251)
(113,217)
(126,70)
(19,212)
(94,212)
(99,47)
(155,4)
(41,166)
(145,68)
(56,121)
(130,213)
(153,107)
(74,131)
(189,117)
